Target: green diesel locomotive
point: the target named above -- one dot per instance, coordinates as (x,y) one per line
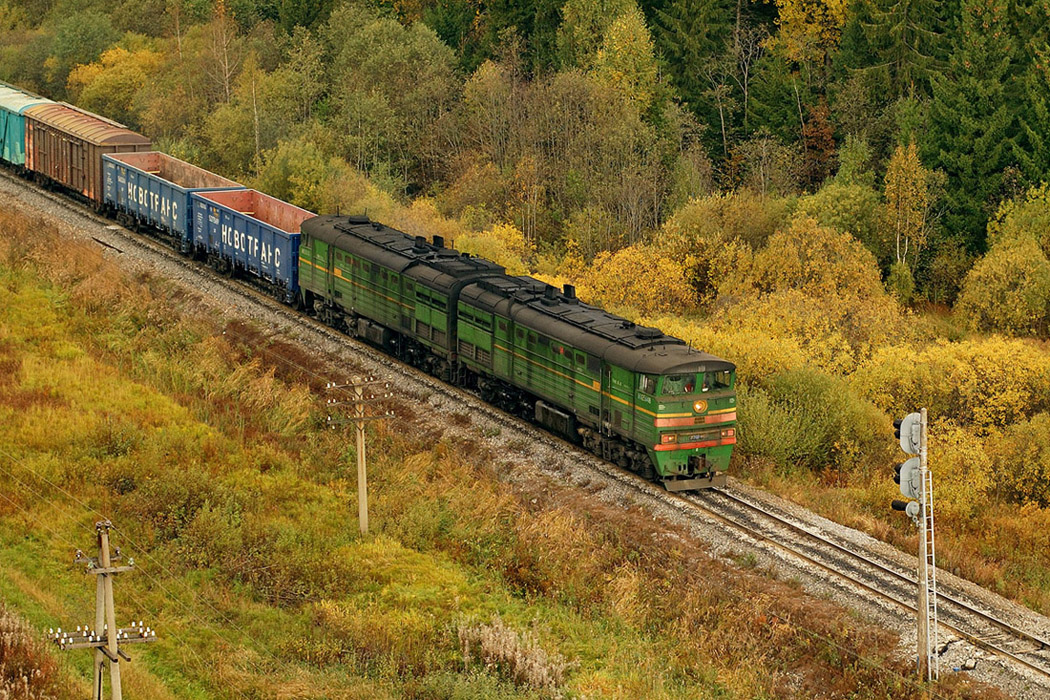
(628,393)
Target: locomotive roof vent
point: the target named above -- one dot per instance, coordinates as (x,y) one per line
(359,219)
(627,324)
(377,226)
(569,292)
(421,244)
(648,333)
(550,295)
(439,241)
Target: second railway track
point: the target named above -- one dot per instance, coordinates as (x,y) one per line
(1027,652)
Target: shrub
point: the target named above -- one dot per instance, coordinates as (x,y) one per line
(817,260)
(637,277)
(1023,461)
(900,283)
(504,244)
(1008,290)
(992,382)
(742,215)
(810,419)
(1023,218)
(852,208)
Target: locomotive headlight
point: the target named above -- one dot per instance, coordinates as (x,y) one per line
(729,432)
(700,406)
(668,438)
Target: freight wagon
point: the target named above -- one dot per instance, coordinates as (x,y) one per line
(13,104)
(248,232)
(64,145)
(155,189)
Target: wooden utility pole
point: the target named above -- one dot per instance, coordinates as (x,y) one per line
(358,402)
(105,643)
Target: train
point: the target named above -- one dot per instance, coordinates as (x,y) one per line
(628,393)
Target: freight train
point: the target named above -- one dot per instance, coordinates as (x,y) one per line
(628,393)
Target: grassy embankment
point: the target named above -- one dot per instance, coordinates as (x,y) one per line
(206,450)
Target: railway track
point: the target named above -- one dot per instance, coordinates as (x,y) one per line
(792,540)
(883,579)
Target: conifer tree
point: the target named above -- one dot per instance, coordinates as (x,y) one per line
(971,126)
(1032,146)
(904,38)
(690,34)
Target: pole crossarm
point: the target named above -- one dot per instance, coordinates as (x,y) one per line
(357,402)
(106,647)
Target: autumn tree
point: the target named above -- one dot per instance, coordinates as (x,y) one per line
(583,27)
(818,261)
(1008,290)
(114,85)
(809,29)
(626,61)
(906,212)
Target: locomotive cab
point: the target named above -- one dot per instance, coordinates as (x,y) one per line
(695,425)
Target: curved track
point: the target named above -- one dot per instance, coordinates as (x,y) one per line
(863,571)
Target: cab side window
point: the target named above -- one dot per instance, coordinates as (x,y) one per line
(648,384)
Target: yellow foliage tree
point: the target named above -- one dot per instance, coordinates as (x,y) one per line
(1008,290)
(637,278)
(905,220)
(113,86)
(984,382)
(818,261)
(1027,217)
(626,61)
(504,244)
(809,29)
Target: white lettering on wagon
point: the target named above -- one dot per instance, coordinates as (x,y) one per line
(265,253)
(160,205)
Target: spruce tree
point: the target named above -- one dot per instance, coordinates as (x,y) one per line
(690,35)
(905,40)
(1031,149)
(971,125)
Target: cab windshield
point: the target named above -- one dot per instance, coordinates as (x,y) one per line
(677,384)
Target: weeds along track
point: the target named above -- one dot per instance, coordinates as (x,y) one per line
(868,580)
(961,617)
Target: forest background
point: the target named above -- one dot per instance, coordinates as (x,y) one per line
(846,198)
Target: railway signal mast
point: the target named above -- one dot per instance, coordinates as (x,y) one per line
(358,401)
(916,482)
